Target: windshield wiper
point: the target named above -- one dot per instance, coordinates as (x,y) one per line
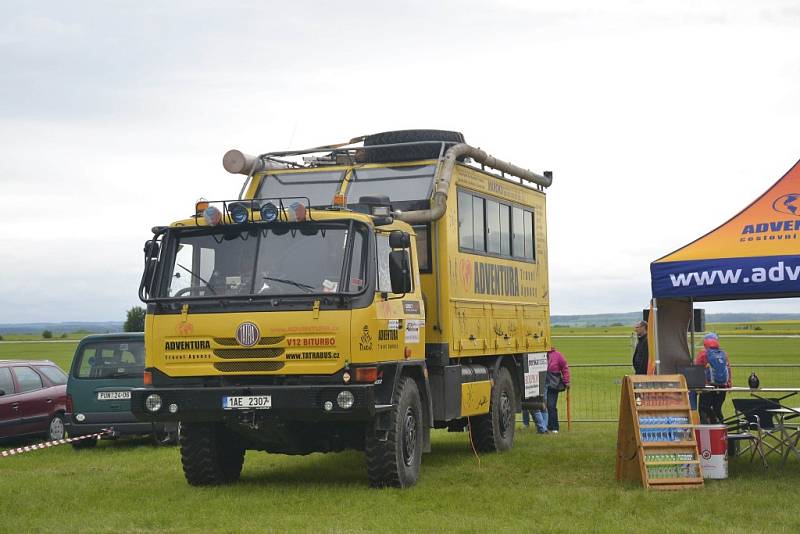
(306,287)
(198,277)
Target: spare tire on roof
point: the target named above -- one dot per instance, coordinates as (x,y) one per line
(409,152)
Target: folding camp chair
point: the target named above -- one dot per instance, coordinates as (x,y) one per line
(756,412)
(740,430)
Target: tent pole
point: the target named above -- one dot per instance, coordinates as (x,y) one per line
(655,335)
(691,330)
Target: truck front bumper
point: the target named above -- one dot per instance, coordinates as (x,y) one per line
(297,403)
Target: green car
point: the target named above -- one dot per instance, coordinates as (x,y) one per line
(104,370)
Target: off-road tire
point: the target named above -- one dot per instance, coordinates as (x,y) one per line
(395,462)
(408,152)
(494,431)
(210,454)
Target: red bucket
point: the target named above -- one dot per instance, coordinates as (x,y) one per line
(712,446)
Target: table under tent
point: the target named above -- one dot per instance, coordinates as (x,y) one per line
(754,255)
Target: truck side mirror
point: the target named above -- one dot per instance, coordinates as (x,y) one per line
(400,271)
(398,239)
(151,250)
(2,392)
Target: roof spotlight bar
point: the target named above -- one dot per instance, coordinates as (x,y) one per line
(286,209)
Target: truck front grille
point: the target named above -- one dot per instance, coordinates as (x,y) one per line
(231,341)
(235,354)
(243,367)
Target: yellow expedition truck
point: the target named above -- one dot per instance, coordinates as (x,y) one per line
(353,296)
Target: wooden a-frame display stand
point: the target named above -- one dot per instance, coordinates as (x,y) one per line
(655,441)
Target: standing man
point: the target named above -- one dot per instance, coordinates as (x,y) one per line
(640,354)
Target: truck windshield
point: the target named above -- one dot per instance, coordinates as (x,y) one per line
(283,259)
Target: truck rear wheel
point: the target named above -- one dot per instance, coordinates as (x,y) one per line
(395,462)
(408,152)
(494,431)
(210,454)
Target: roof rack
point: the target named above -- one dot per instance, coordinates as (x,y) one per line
(451,152)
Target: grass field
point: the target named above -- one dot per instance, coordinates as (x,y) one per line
(561,482)
(750,329)
(38,337)
(596,390)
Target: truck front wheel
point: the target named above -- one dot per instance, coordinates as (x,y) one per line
(495,430)
(395,461)
(210,454)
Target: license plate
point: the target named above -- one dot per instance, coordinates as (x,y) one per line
(113,395)
(252,402)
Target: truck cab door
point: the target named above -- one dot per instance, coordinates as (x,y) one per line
(397,329)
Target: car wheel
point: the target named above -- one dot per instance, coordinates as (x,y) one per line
(55,430)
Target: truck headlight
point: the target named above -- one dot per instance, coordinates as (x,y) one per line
(153,402)
(345,399)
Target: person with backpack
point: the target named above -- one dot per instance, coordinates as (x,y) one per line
(718,375)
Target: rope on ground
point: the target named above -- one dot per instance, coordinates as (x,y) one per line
(475,452)
(48,444)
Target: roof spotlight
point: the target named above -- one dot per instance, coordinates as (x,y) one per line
(269,212)
(212,216)
(296,212)
(200,206)
(238,212)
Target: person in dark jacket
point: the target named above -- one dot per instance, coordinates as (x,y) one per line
(640,354)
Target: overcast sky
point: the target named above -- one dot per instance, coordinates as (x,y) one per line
(660,120)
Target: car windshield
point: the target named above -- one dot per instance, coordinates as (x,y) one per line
(280,259)
(110,359)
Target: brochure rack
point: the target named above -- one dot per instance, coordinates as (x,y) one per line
(655,441)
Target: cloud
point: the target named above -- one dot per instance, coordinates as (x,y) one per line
(659,121)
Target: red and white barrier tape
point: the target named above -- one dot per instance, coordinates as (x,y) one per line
(48,444)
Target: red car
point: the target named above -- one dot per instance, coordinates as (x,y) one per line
(33,399)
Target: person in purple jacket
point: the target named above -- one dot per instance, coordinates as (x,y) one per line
(557,381)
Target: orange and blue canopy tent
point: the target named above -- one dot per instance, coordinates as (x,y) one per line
(755,254)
